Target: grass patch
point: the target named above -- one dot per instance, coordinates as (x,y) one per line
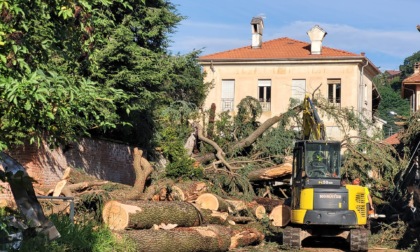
(85,237)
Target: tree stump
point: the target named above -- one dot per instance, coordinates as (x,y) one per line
(212,238)
(144,214)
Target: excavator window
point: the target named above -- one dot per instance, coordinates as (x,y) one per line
(322,160)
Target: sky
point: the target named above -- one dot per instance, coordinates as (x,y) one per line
(383,29)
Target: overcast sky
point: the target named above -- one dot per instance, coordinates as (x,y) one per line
(384,29)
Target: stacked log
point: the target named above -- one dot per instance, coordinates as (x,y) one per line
(188,239)
(144,214)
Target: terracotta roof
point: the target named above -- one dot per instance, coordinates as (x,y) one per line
(281,48)
(413,79)
(392,140)
(393,72)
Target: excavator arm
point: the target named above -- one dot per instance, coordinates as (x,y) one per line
(312,123)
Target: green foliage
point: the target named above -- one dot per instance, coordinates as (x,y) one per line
(172,132)
(91,40)
(366,156)
(85,236)
(249,111)
(408,66)
(391,101)
(45,104)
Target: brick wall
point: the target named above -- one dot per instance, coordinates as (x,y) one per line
(105,160)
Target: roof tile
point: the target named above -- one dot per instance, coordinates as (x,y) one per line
(281,48)
(413,79)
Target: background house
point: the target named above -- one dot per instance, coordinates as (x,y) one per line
(411,88)
(284,68)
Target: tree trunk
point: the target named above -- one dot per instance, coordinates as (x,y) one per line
(142,169)
(211,238)
(280,216)
(212,202)
(271,172)
(144,214)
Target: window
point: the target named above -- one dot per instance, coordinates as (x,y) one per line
(298,89)
(334,91)
(264,94)
(228,93)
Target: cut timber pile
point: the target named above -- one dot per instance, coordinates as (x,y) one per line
(212,238)
(144,214)
(271,172)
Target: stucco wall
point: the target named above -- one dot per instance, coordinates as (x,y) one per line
(281,75)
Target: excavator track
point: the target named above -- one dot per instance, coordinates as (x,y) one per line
(359,240)
(292,238)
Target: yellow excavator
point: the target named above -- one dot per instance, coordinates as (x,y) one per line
(320,205)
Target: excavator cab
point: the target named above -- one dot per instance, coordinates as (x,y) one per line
(322,159)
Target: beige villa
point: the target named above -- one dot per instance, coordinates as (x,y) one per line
(277,70)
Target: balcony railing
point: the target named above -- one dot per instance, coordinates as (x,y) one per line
(227,104)
(266,106)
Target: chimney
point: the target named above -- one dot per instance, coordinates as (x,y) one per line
(316,35)
(417,67)
(257,27)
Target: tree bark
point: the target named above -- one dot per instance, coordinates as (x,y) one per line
(210,238)
(271,172)
(144,214)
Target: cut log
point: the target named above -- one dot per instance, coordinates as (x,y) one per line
(144,214)
(256,209)
(269,204)
(247,237)
(59,187)
(188,190)
(212,202)
(210,238)
(280,216)
(271,172)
